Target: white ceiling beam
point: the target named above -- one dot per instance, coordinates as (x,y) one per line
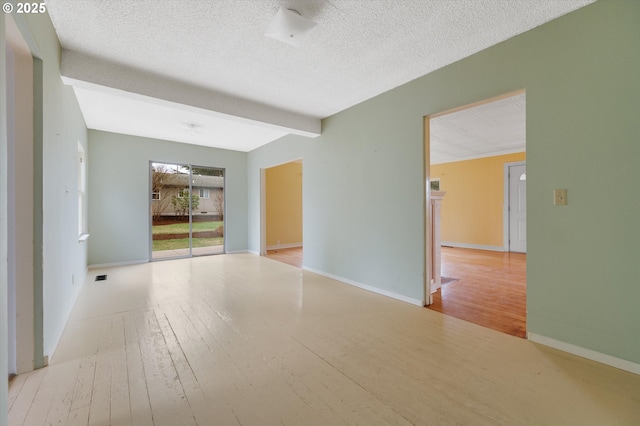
(84,71)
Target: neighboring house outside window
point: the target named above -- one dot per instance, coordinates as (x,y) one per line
(209,191)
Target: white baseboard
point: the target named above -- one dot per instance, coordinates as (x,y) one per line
(284,246)
(387,293)
(110,265)
(612,361)
(472,246)
(240,251)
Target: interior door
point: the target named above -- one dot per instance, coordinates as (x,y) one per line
(518,208)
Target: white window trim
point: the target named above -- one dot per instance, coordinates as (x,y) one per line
(83,234)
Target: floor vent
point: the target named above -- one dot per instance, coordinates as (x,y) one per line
(101,278)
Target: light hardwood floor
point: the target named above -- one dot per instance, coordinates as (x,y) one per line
(490,289)
(241,339)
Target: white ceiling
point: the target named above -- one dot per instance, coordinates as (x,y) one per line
(245,89)
(112,113)
(493,128)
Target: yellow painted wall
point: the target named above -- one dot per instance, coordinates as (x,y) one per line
(472,209)
(284,204)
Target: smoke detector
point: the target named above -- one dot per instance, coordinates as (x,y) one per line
(290,27)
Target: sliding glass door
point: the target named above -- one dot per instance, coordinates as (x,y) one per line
(208,216)
(186,210)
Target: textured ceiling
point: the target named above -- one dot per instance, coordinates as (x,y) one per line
(359,49)
(492,128)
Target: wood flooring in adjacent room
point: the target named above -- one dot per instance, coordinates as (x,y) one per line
(291,256)
(489,289)
(242,340)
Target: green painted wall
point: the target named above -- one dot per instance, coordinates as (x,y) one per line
(363,189)
(119,191)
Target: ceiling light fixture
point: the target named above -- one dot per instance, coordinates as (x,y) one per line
(290,27)
(192,127)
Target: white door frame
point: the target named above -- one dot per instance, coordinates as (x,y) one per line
(427,297)
(426,181)
(505,205)
(263,211)
(24,144)
(4,243)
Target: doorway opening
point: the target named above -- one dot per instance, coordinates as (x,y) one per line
(187,210)
(282,213)
(471,153)
(515,205)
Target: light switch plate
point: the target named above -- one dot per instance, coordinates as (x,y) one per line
(559,197)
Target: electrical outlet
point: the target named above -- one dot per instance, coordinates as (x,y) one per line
(559,197)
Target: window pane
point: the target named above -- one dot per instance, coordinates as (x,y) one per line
(170,219)
(208,215)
